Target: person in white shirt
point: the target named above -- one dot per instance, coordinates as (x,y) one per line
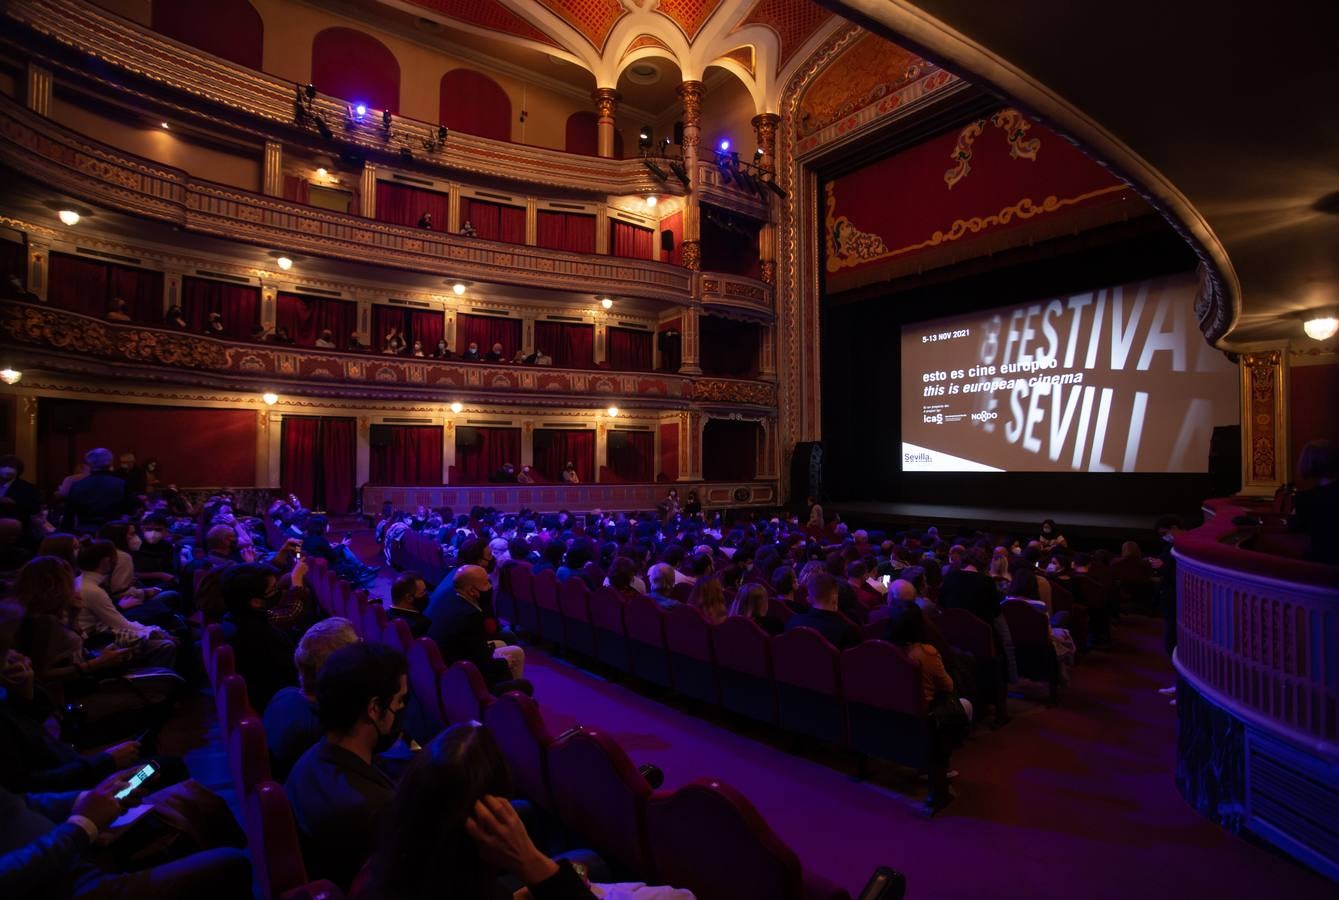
(326,341)
(97,612)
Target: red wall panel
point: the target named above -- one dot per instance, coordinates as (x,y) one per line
(472,103)
(668,469)
(1313,397)
(231,29)
(356,67)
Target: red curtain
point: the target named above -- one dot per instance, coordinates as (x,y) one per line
(77,284)
(556,447)
(383,317)
(406,454)
(572,346)
(582,133)
(673,223)
(481,451)
(295,189)
(487,331)
(472,103)
(669,453)
(141,289)
(400,204)
(306,317)
(629,350)
(630,241)
(297,453)
(494,221)
(339,451)
(238,303)
(357,68)
(671,345)
(426,326)
(565,231)
(630,454)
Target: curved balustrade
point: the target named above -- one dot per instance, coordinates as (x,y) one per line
(578,498)
(735,296)
(49,154)
(174,67)
(69,341)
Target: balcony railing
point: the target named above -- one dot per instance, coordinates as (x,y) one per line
(49,154)
(71,342)
(126,49)
(736,296)
(576,497)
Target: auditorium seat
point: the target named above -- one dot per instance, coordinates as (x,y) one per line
(609,631)
(886,716)
(423,715)
(225,663)
(808,685)
(599,794)
(248,756)
(546,604)
(520,732)
(272,840)
(1063,600)
(397,635)
(374,622)
(708,838)
(574,604)
(649,658)
(504,601)
(1031,634)
(232,703)
(744,669)
(464,693)
(778,608)
(210,640)
(523,588)
(967,633)
(682,591)
(688,640)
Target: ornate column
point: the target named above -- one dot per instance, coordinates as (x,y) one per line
(601,445)
(767,352)
(38,89)
(450,327)
(531,222)
(528,334)
(527,444)
(602,231)
(453,209)
(272,179)
(269,306)
(363,452)
(171,290)
(690,446)
(269,436)
(764,126)
(691,92)
(688,341)
(448,447)
(1264,421)
(367,193)
(39,256)
(606,104)
(601,342)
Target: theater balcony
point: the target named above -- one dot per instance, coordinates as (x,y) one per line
(1258,698)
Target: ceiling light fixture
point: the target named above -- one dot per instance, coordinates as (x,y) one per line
(284,263)
(165,125)
(10,376)
(612,412)
(651,201)
(457,407)
(270,398)
(458,289)
(69,216)
(1321,328)
(607,302)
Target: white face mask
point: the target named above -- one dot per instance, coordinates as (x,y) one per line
(134,543)
(153,537)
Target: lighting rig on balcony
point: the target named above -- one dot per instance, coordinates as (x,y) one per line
(358,118)
(748,174)
(657,157)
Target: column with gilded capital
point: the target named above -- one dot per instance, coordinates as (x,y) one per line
(764,127)
(688,341)
(606,104)
(691,93)
(37,93)
(367,192)
(272,178)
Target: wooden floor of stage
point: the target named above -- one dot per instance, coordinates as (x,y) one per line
(1021,521)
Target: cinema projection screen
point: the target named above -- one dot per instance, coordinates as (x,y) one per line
(1111,380)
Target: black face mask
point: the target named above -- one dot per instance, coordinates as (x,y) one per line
(421,603)
(485,600)
(387,740)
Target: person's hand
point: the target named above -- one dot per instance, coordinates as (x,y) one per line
(299,573)
(248,555)
(124,755)
(107,658)
(130,599)
(100,805)
(16,674)
(503,842)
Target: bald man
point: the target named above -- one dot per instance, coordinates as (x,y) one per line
(457,625)
(899,592)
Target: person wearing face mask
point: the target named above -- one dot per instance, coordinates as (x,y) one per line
(1051,536)
(25,495)
(156,558)
(151,479)
(409,598)
(291,724)
(264,654)
(458,628)
(335,789)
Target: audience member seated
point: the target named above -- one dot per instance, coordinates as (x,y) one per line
(393,343)
(952,714)
(99,620)
(709,598)
(467,230)
(99,497)
(441,351)
(409,599)
(661,576)
(822,614)
(542,358)
(425,220)
(356,344)
(136,481)
(495,354)
(526,476)
(570,475)
(471,353)
(624,580)
(339,557)
(336,791)
(417,351)
(264,654)
(326,340)
(27,499)
(214,325)
(1316,510)
(458,628)
(292,726)
(281,336)
(119,311)
(505,475)
(751,603)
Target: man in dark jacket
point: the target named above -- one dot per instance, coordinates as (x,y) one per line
(27,499)
(458,628)
(822,615)
(98,498)
(264,653)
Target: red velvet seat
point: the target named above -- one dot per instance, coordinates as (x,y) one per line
(464,693)
(692,662)
(1064,600)
(342,602)
(707,837)
(424,716)
(515,723)
(779,609)
(1031,633)
(682,591)
(599,794)
(272,840)
(886,714)
(523,588)
(374,623)
(225,663)
(574,604)
(232,702)
(397,635)
(744,669)
(967,633)
(648,655)
(611,637)
(504,601)
(808,685)
(210,640)
(546,605)
(248,756)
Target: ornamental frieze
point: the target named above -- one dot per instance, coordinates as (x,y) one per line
(723,391)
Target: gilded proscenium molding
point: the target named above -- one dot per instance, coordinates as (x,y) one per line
(85,345)
(734,296)
(175,68)
(1264,421)
(50,154)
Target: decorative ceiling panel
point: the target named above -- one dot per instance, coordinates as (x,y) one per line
(594,19)
(794,22)
(869,70)
(689,15)
(488,14)
(743,55)
(645,40)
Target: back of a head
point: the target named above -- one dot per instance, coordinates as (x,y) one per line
(219,539)
(351,678)
(823,591)
(621,573)
(700,565)
(59,545)
(424,845)
(93,554)
(405,586)
(750,601)
(1319,461)
(45,586)
(783,580)
(708,595)
(100,458)
(581,552)
(662,578)
(906,625)
(318,643)
(856,571)
(471,552)
(243,583)
(117,533)
(900,591)
(1024,583)
(316,525)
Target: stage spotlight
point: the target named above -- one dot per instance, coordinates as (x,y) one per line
(310,91)
(757,154)
(607,302)
(10,376)
(725,146)
(69,216)
(612,412)
(655,169)
(679,171)
(442,132)
(457,407)
(270,398)
(359,110)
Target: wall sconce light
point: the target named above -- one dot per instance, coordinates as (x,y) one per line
(10,376)
(1321,328)
(457,407)
(270,398)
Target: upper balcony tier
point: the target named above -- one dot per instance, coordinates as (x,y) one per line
(65,341)
(140,64)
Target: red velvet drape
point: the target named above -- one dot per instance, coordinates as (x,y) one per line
(727,347)
(427,326)
(297,456)
(339,462)
(487,331)
(383,317)
(673,223)
(630,241)
(406,454)
(481,451)
(357,68)
(295,189)
(556,447)
(231,29)
(629,350)
(88,286)
(401,204)
(238,303)
(572,346)
(671,345)
(565,231)
(582,134)
(729,450)
(306,317)
(494,221)
(631,454)
(472,103)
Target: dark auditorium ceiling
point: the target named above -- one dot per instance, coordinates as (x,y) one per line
(1224,113)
